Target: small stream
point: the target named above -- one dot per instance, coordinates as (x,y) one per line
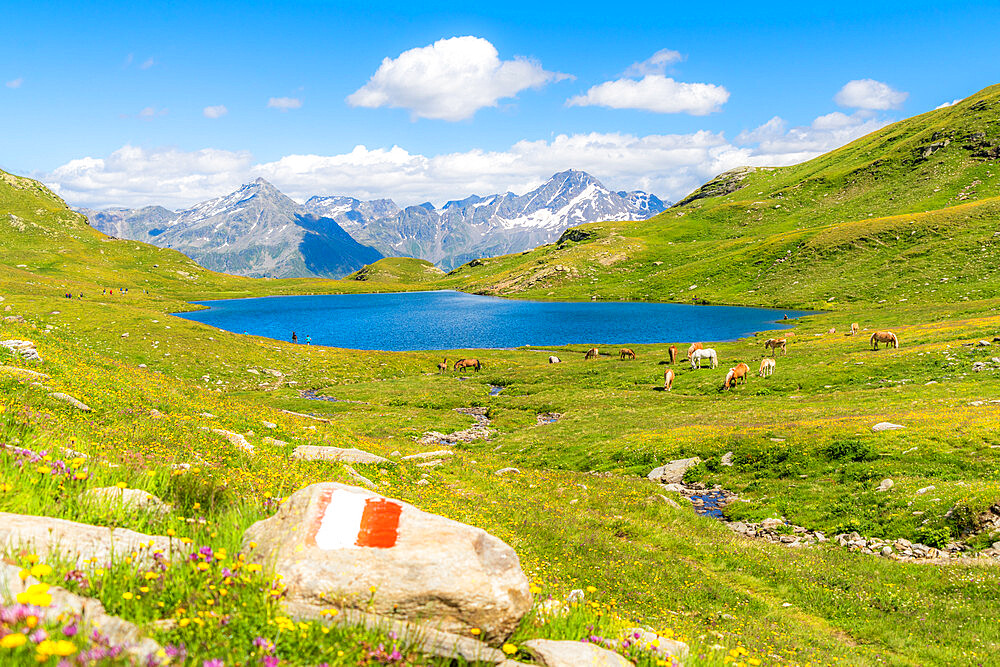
(495,390)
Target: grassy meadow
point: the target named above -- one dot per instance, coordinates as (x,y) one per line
(894,231)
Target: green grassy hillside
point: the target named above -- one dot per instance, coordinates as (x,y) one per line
(908,212)
(405,270)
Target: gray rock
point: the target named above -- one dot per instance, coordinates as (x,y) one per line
(673,472)
(352,455)
(66,398)
(886,426)
(333,542)
(77,542)
(727,459)
(429,455)
(884,485)
(92,614)
(650,640)
(23,347)
(552,653)
(924,490)
(358,477)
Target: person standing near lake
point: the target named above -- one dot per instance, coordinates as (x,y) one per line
(309,340)
(295,339)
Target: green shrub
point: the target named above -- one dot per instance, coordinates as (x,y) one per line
(932,537)
(849,449)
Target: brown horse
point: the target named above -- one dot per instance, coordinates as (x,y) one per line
(443,366)
(668,380)
(737,373)
(673,354)
(694,346)
(854,328)
(592,353)
(886,337)
(773,344)
(468,363)
(627,353)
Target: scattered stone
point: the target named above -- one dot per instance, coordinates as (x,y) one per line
(670,501)
(673,472)
(351,455)
(479,431)
(235,439)
(93,616)
(886,426)
(358,477)
(76,542)
(429,455)
(507,471)
(124,335)
(340,541)
(66,398)
(983,343)
(553,653)
(14,319)
(274,442)
(663,645)
(269,424)
(127,498)
(924,490)
(884,485)
(396,454)
(23,347)
(727,459)
(23,373)
(431,464)
(422,482)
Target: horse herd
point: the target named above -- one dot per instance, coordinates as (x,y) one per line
(697,352)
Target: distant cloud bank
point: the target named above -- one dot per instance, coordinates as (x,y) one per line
(870,94)
(668,165)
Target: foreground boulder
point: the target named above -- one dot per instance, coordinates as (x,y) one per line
(332,543)
(552,653)
(886,426)
(673,472)
(66,398)
(76,542)
(91,612)
(351,455)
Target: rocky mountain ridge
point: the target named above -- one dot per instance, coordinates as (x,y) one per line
(258,231)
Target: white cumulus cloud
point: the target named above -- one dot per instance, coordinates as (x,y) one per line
(284,103)
(870,94)
(655,64)
(217,111)
(15,83)
(450,80)
(657,93)
(785,145)
(948,104)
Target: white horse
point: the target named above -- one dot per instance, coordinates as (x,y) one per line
(707,353)
(766,367)
(553,360)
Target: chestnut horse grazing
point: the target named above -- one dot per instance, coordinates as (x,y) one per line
(673,354)
(705,353)
(592,353)
(443,366)
(627,353)
(668,380)
(854,328)
(886,337)
(773,344)
(694,347)
(766,367)
(737,373)
(468,363)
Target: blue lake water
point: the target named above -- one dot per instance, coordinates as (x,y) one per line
(446,320)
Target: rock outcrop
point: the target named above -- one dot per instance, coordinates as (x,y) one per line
(673,472)
(345,455)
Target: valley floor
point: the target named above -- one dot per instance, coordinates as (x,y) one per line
(579,512)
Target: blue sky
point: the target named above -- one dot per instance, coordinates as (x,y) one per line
(171,103)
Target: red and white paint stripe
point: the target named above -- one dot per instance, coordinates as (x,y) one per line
(346,520)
